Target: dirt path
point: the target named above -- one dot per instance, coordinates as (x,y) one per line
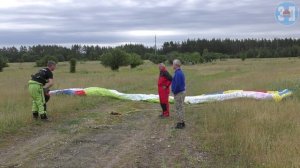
(141,139)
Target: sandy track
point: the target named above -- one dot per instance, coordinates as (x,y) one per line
(140,140)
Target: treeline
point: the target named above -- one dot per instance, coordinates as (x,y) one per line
(189,58)
(195,51)
(35,53)
(287,47)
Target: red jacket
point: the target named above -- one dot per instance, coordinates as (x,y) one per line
(164,81)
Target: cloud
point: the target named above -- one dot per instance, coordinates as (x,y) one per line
(116,22)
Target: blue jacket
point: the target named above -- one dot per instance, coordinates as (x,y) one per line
(178,82)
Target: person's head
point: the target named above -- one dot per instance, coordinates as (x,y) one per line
(51,65)
(176,64)
(161,66)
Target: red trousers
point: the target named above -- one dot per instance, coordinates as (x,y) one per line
(164,100)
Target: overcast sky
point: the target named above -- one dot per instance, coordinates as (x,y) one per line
(114,22)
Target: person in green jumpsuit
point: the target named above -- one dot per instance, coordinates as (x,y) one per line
(39,86)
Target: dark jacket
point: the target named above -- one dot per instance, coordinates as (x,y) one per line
(42,76)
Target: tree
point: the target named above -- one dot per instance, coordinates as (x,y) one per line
(265,53)
(3,63)
(173,55)
(253,48)
(251,53)
(243,56)
(73,65)
(115,58)
(135,60)
(190,58)
(157,58)
(206,56)
(43,62)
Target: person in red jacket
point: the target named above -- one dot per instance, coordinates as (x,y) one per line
(164,82)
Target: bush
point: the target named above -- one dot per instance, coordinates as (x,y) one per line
(3,63)
(243,56)
(173,55)
(135,60)
(147,56)
(210,56)
(43,62)
(73,62)
(265,53)
(157,58)
(252,53)
(115,58)
(191,58)
(195,57)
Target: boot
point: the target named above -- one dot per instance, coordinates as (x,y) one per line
(44,116)
(180,125)
(166,114)
(163,116)
(35,114)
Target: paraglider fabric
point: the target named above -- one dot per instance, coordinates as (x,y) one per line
(219,96)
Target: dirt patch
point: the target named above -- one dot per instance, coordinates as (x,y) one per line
(142,139)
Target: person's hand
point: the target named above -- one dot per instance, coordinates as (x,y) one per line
(46,94)
(46,91)
(164,87)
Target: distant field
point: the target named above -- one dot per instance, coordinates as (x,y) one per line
(235,133)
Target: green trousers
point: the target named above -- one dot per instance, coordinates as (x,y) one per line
(38,98)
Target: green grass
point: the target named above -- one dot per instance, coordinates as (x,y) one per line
(238,135)
(234,133)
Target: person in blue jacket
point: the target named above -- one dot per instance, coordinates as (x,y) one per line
(178,89)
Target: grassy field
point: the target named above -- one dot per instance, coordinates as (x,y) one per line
(235,133)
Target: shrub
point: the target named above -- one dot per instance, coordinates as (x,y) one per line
(209,56)
(157,58)
(135,60)
(115,58)
(243,56)
(73,62)
(173,55)
(3,63)
(43,62)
